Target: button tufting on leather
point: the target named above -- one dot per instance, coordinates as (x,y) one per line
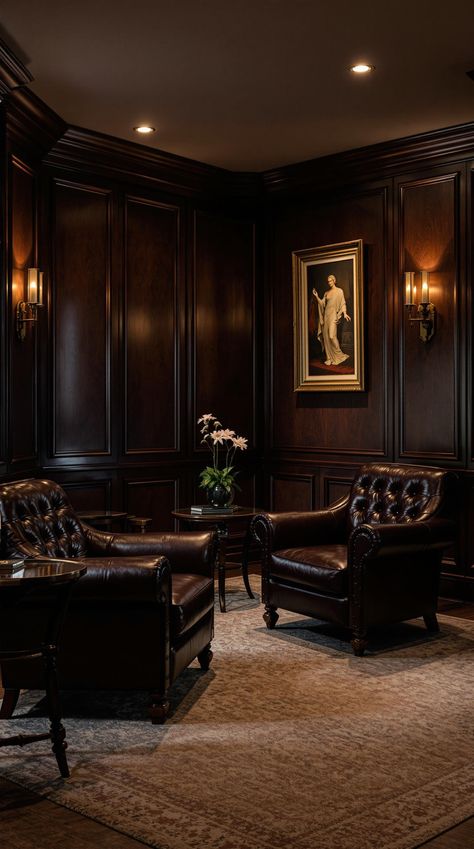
(380,495)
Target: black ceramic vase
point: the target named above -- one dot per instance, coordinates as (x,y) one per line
(218,496)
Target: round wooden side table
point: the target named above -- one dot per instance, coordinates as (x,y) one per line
(47,585)
(103,518)
(222,523)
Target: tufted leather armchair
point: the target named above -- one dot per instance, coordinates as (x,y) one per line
(371,558)
(141,613)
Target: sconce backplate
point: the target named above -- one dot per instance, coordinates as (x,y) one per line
(25,312)
(427,321)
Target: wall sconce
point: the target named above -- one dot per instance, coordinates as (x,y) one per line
(28,310)
(423,313)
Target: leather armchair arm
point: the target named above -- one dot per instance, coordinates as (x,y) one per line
(276,531)
(124,579)
(191,551)
(16,546)
(370,541)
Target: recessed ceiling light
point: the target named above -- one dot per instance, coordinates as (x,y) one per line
(144,129)
(362,68)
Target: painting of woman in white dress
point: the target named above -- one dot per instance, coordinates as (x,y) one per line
(328,317)
(331,309)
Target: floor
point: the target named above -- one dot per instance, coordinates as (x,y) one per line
(24,817)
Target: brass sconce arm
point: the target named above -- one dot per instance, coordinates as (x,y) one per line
(426,319)
(25,312)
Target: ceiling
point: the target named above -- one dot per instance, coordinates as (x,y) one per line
(254,84)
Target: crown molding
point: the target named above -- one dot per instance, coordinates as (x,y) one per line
(13,73)
(373,162)
(30,123)
(82,150)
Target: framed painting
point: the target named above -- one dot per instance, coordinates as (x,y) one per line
(328,331)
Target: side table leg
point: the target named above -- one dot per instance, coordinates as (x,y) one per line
(222,533)
(245,561)
(57,730)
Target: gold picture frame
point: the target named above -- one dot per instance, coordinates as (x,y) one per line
(328,298)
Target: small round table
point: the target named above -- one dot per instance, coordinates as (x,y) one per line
(102,518)
(41,588)
(221,522)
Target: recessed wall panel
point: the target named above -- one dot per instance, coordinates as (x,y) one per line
(224,317)
(292,492)
(151,327)
(23,365)
(429,402)
(153,499)
(81,319)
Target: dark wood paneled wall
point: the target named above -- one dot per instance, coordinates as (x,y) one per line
(154,316)
(418,403)
(150,318)
(152,322)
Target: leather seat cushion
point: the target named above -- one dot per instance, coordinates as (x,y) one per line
(321,567)
(192,598)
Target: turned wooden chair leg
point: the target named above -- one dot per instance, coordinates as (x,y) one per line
(9,702)
(270,617)
(205,657)
(359,645)
(431,622)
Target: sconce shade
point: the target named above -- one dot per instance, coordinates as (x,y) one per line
(35,286)
(425,287)
(410,288)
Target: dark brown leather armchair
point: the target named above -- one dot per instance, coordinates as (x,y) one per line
(371,558)
(142,612)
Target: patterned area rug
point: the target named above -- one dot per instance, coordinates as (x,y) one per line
(288,741)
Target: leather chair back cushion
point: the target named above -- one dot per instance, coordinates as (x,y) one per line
(38,513)
(381,494)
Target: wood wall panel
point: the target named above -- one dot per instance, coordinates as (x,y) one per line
(155,499)
(89,495)
(334,486)
(153,314)
(429,395)
(340,422)
(81,332)
(292,492)
(23,364)
(224,322)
